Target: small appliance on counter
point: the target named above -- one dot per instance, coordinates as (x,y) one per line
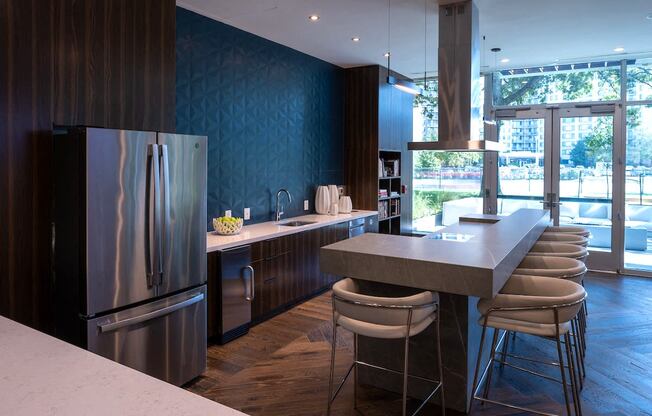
(129,241)
(322,200)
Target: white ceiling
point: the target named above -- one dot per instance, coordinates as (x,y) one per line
(530,32)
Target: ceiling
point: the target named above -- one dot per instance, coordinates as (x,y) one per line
(529,32)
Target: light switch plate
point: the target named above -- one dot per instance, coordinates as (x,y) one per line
(227,213)
(306,205)
(247,213)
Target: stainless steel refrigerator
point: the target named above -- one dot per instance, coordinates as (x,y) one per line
(129,241)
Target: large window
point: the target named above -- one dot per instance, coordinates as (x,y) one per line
(595,81)
(446,184)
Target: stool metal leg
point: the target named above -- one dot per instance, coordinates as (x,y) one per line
(405,362)
(492,357)
(332,369)
(477,363)
(503,355)
(572,374)
(355,371)
(440,364)
(562,370)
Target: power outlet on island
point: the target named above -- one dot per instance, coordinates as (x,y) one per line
(247,213)
(227,213)
(306,205)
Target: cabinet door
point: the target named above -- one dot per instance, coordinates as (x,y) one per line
(276,290)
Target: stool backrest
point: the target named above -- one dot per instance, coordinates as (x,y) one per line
(349,302)
(565,238)
(551,266)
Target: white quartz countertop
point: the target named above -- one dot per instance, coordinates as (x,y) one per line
(41,375)
(272,229)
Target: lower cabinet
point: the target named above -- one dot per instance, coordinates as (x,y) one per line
(286,269)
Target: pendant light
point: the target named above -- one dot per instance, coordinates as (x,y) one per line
(401,84)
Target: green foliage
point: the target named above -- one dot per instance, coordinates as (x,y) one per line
(428,203)
(427,100)
(580,155)
(599,143)
(437,160)
(572,85)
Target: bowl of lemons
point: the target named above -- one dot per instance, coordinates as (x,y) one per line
(227,225)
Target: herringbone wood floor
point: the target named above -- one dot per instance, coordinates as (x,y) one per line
(281,366)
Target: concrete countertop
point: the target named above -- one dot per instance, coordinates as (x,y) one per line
(41,375)
(272,229)
(479,266)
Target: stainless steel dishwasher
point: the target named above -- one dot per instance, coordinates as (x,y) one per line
(236,292)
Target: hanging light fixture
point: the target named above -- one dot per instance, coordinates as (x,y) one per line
(401,84)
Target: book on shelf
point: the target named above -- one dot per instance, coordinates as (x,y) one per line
(383,209)
(382,193)
(395,207)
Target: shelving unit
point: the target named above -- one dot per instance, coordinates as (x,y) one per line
(389,207)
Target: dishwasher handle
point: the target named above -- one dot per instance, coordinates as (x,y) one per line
(250,293)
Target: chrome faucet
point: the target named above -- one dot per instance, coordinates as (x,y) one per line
(278,202)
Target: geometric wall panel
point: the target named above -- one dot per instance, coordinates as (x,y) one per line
(273,116)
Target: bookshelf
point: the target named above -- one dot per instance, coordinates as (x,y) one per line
(389,191)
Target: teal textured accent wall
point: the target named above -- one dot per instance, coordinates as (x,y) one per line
(273,116)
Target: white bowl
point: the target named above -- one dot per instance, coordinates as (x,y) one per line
(227,228)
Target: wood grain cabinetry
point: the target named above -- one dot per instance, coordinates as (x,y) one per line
(286,270)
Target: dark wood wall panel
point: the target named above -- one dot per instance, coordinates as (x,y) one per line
(107,63)
(361,136)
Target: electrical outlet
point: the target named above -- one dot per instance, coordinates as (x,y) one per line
(306,205)
(247,213)
(227,213)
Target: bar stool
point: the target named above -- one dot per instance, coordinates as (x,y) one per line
(560,268)
(532,305)
(569,229)
(386,318)
(566,238)
(554,249)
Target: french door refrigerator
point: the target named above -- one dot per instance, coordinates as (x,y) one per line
(129,241)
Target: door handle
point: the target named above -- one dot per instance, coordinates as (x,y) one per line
(113,326)
(165,165)
(252,286)
(151,252)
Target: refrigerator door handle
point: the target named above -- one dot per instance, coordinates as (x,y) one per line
(249,293)
(165,162)
(113,326)
(151,253)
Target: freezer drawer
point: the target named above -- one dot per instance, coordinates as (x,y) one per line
(165,338)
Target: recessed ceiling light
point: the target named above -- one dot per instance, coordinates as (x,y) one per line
(619,49)
(386,55)
(313,17)
(504,60)
(355,39)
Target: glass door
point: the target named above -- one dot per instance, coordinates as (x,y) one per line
(521,170)
(582,178)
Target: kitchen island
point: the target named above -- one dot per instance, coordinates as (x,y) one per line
(41,375)
(463,262)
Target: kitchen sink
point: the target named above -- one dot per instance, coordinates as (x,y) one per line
(297,223)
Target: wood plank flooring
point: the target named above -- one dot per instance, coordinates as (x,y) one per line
(281,366)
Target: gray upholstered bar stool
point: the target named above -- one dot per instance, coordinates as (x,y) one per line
(554,249)
(569,229)
(566,238)
(387,318)
(560,268)
(538,306)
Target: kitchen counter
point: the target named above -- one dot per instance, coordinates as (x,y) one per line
(271,229)
(467,260)
(478,263)
(41,375)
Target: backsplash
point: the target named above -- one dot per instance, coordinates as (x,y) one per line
(273,116)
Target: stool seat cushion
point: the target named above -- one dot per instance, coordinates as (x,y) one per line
(540,292)
(576,239)
(549,248)
(383,331)
(552,266)
(569,229)
(376,309)
(543,330)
